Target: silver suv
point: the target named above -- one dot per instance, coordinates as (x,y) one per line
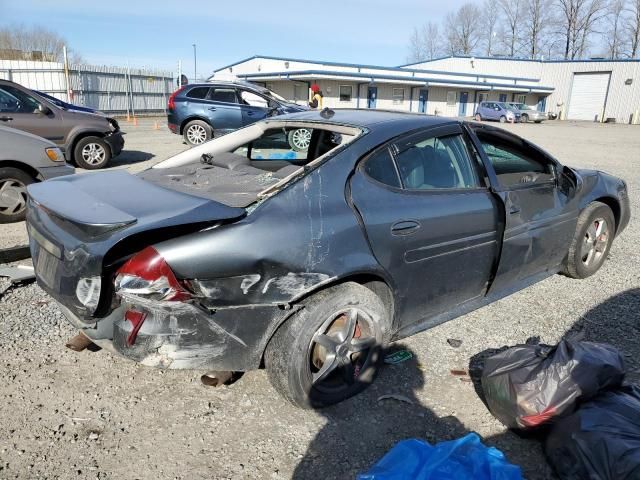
(25,159)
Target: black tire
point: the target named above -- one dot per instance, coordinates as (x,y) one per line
(503,119)
(292,356)
(589,249)
(91,153)
(13,194)
(299,139)
(197,132)
(538,121)
(524,118)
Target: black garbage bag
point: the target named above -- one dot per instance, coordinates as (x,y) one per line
(527,386)
(601,440)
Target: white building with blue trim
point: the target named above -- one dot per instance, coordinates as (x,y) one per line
(595,90)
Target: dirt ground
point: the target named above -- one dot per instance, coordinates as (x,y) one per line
(96,415)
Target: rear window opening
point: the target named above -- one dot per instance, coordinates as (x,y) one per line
(249,164)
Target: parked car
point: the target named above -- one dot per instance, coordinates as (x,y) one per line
(201,111)
(390,223)
(67,106)
(528,113)
(87,139)
(496,111)
(25,159)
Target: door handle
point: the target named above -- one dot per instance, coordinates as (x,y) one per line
(212,108)
(6,119)
(250,113)
(513,210)
(405,227)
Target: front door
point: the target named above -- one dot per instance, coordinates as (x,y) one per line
(19,110)
(372,95)
(539,204)
(422,100)
(254,107)
(430,222)
(462,109)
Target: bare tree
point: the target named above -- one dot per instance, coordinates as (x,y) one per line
(578,21)
(18,42)
(614,33)
(489,21)
(425,43)
(463,30)
(512,11)
(535,25)
(632,28)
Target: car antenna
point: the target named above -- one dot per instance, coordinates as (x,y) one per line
(327,113)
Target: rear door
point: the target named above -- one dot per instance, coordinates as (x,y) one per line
(430,220)
(540,210)
(223,109)
(19,109)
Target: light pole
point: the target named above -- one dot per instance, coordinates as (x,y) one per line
(195,64)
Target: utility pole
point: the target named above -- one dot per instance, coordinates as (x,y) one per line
(195,64)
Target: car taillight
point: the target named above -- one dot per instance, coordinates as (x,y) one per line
(171,105)
(148,276)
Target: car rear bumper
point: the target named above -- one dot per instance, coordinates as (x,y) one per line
(178,335)
(116,142)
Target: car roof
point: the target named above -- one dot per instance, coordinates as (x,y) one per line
(368,118)
(228,83)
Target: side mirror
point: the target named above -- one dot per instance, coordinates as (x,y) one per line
(43,109)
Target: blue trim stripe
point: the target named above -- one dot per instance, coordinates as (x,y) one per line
(481,85)
(376,67)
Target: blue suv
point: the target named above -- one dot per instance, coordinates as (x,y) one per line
(201,111)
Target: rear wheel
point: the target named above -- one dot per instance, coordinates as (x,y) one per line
(478,117)
(197,132)
(299,139)
(13,194)
(92,153)
(503,119)
(591,244)
(331,349)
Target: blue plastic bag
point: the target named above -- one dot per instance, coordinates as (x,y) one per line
(462,459)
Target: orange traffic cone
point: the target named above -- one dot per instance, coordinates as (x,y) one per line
(135,121)
(128,118)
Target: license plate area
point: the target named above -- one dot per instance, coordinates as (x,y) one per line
(46,267)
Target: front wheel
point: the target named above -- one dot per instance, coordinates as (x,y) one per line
(13,194)
(92,153)
(503,119)
(592,241)
(299,139)
(197,132)
(331,349)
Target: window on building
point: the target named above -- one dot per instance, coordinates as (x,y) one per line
(522,99)
(482,97)
(451,99)
(300,92)
(226,95)
(346,92)
(398,96)
(198,92)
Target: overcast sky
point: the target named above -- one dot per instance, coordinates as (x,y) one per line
(158,33)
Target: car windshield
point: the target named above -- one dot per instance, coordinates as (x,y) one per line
(504,105)
(274,95)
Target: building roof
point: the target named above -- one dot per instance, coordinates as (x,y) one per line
(513,59)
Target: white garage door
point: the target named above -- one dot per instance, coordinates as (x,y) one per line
(588,94)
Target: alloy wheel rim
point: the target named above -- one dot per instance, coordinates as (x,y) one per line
(13,196)
(341,349)
(301,138)
(93,153)
(595,242)
(196,134)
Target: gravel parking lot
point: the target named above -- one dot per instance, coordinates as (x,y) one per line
(96,415)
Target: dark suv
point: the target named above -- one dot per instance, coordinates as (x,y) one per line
(87,139)
(204,110)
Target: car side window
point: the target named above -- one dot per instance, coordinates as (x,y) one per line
(16,101)
(380,167)
(435,163)
(515,164)
(198,92)
(252,99)
(226,95)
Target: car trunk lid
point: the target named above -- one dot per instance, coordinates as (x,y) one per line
(73,222)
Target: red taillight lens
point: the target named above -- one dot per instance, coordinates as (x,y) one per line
(137,319)
(171,105)
(147,275)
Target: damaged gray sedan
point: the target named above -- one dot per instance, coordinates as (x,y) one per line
(242,253)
